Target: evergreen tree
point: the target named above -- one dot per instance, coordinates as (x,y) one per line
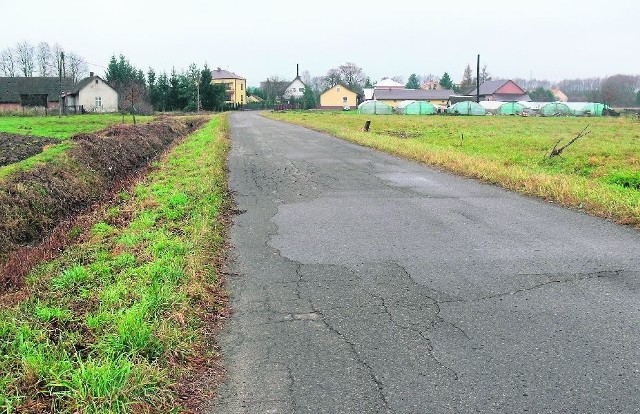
(309,98)
(212,96)
(163,90)
(541,94)
(467,78)
(446,82)
(152,88)
(173,99)
(413,82)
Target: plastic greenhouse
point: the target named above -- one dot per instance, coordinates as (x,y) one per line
(555,109)
(593,109)
(491,106)
(511,108)
(374,107)
(466,108)
(415,108)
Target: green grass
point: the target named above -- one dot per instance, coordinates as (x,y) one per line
(598,173)
(109,326)
(62,127)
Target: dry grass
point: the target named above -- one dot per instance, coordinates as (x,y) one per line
(598,174)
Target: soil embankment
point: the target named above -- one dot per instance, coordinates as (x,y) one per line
(34,202)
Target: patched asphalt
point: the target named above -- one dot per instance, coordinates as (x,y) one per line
(361,282)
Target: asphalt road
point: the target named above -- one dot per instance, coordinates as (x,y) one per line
(364,283)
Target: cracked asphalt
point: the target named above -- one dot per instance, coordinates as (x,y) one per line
(364,283)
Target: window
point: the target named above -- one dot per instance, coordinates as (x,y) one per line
(344,99)
(338,89)
(241,99)
(293,89)
(96,81)
(301,89)
(241,87)
(98,101)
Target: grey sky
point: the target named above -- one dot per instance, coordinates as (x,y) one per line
(540,38)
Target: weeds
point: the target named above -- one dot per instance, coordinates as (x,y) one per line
(111,325)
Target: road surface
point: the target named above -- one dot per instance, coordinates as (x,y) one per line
(364,283)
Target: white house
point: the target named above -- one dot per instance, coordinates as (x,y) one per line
(92,94)
(296,88)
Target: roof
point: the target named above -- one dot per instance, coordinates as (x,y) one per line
(339,84)
(297,78)
(12,87)
(86,81)
(412,94)
(493,86)
(388,83)
(224,74)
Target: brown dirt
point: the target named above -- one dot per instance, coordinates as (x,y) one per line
(14,148)
(34,202)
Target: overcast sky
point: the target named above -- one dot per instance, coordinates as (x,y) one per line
(542,39)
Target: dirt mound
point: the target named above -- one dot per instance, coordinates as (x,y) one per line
(33,202)
(14,148)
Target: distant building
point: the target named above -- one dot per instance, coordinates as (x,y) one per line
(17,93)
(388,84)
(560,96)
(92,94)
(433,84)
(236,86)
(338,97)
(499,90)
(392,97)
(296,88)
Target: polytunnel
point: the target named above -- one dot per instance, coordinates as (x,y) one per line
(415,108)
(374,107)
(555,109)
(511,108)
(466,108)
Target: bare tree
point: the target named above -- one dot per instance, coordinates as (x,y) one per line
(8,62)
(332,78)
(398,78)
(25,53)
(56,61)
(353,76)
(76,66)
(44,59)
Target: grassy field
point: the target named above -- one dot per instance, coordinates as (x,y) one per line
(62,127)
(115,323)
(599,173)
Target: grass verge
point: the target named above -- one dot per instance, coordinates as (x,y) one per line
(115,323)
(599,173)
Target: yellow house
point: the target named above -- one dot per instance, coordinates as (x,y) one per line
(338,97)
(236,86)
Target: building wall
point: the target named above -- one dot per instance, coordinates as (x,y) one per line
(97,89)
(293,90)
(236,90)
(334,98)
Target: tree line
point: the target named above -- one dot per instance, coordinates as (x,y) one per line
(26,59)
(188,90)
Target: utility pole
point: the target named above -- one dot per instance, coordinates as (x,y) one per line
(478,81)
(60,74)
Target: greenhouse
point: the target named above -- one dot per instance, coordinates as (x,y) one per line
(593,109)
(415,108)
(374,107)
(466,108)
(491,106)
(511,108)
(555,109)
